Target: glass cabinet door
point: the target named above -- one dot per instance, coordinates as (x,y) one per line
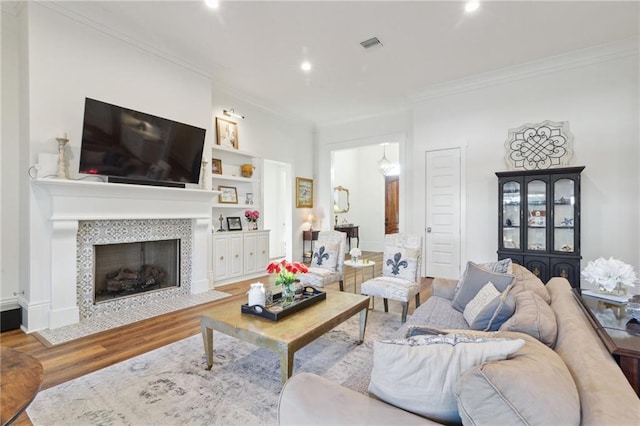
(511,215)
(564,215)
(537,215)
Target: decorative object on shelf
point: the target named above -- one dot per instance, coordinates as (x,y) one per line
(508,222)
(304,192)
(248,199)
(567,221)
(539,146)
(229,195)
(610,275)
(287,276)
(355,254)
(234,224)
(226,133)
(221,219)
(203,181)
(216,166)
(246,170)
(252,217)
(62,161)
(256,295)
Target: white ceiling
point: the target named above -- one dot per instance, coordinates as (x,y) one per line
(256,47)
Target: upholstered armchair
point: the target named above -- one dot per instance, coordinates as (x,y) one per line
(400,278)
(327,261)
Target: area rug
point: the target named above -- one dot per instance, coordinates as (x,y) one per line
(171,386)
(110,320)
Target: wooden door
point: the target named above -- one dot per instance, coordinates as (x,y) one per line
(391,203)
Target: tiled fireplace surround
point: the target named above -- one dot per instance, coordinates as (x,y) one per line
(80,214)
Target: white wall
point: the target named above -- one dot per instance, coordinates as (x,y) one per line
(67,62)
(600,102)
(9,165)
(392,128)
(357,170)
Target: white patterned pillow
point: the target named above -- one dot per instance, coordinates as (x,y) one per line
(400,262)
(489,309)
(504,266)
(418,374)
(325,256)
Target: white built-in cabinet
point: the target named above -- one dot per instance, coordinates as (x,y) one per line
(239,255)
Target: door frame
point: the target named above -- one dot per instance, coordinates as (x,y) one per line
(285,201)
(463,204)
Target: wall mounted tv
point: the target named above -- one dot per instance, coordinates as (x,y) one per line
(129,146)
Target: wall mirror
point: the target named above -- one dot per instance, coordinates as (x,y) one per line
(340,199)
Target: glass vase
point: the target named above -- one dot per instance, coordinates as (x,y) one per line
(288,292)
(618,290)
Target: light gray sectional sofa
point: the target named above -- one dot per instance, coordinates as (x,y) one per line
(563,374)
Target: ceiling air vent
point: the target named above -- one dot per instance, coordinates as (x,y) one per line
(372,42)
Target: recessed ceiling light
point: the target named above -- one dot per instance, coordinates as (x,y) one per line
(471,6)
(305,66)
(213,4)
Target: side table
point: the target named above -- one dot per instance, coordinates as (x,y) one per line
(609,319)
(362,265)
(20,378)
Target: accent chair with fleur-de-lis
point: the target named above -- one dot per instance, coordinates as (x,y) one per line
(327,261)
(400,278)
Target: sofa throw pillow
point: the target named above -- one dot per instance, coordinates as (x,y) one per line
(532,387)
(325,256)
(400,262)
(504,266)
(526,280)
(473,279)
(533,317)
(490,308)
(418,374)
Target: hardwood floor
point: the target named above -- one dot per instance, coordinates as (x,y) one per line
(76,358)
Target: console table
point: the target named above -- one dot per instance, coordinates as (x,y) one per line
(609,320)
(309,236)
(351,231)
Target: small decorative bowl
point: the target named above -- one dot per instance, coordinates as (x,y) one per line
(633,309)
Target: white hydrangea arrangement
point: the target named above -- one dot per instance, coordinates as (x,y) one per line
(355,253)
(610,273)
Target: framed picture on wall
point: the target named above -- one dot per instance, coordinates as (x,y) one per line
(229,195)
(234,224)
(226,133)
(216,166)
(304,192)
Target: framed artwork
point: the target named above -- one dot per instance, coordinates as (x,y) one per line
(226,133)
(216,166)
(304,192)
(249,198)
(234,224)
(229,195)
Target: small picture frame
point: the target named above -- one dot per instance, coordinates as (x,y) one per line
(234,224)
(216,166)
(229,195)
(304,192)
(248,198)
(226,133)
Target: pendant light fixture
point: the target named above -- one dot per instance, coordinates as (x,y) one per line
(384,165)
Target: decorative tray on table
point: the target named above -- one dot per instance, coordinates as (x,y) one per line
(280,309)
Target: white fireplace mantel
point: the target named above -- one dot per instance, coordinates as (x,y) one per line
(64,203)
(85,200)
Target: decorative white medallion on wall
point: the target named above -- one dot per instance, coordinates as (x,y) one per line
(539,146)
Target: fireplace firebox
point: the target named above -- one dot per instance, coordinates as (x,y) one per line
(125,269)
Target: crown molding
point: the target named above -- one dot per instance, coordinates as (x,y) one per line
(576,59)
(62,9)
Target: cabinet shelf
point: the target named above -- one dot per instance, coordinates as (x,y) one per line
(231,178)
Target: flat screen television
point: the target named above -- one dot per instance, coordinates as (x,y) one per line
(129,146)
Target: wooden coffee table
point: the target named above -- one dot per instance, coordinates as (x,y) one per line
(287,335)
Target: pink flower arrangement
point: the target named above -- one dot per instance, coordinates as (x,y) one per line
(252,215)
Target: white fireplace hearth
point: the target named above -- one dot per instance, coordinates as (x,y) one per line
(75,215)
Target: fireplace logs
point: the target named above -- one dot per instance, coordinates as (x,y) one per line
(126,280)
